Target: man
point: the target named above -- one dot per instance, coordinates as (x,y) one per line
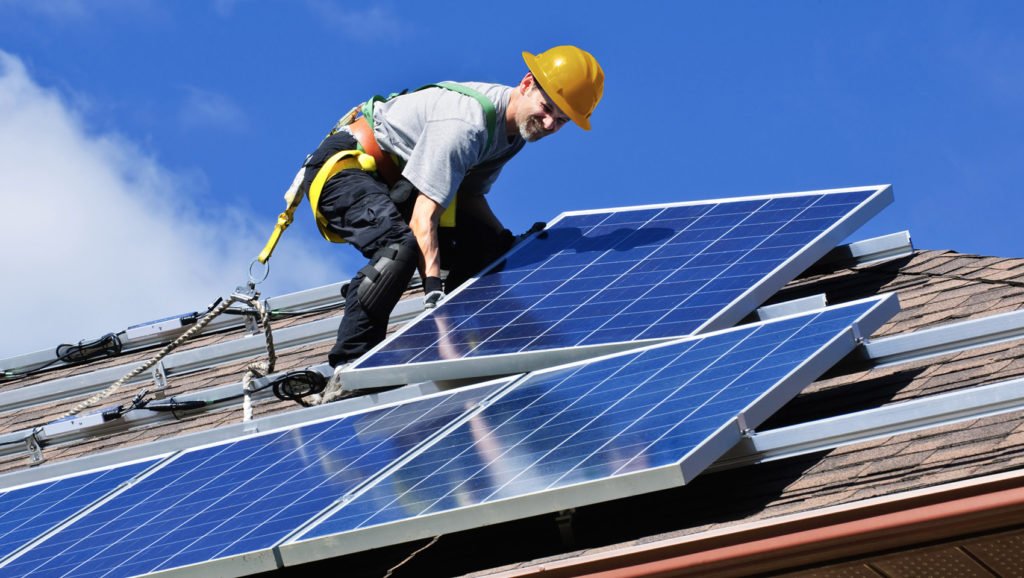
(436,149)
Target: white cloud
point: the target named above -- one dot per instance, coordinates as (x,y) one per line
(97,235)
(204,108)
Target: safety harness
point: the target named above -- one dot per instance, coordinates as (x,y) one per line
(370,158)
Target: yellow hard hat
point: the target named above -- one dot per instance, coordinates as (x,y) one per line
(572,78)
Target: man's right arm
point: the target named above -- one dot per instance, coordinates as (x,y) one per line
(426,214)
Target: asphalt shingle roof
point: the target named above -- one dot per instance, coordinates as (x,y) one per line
(934,287)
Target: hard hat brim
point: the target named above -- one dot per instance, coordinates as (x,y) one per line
(545,82)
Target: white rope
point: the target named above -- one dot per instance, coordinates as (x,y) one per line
(258,369)
(206,319)
(254,369)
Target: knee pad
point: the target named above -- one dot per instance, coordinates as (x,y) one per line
(385,278)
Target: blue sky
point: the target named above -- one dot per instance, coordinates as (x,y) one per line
(144,146)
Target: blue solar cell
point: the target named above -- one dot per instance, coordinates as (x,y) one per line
(689,263)
(29,512)
(241,496)
(598,420)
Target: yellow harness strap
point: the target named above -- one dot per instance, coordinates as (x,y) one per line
(338,162)
(448,216)
(292,200)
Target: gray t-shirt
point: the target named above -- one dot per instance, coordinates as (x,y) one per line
(442,134)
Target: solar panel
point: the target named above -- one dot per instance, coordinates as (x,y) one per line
(621,425)
(602,281)
(28,512)
(228,500)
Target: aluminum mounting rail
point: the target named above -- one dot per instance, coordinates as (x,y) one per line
(190,360)
(898,418)
(874,250)
(946,338)
(324,296)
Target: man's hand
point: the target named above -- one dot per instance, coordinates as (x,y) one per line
(506,240)
(433,292)
(537,227)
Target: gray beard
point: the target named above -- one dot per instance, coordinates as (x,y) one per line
(531,130)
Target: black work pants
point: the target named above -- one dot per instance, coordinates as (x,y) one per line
(357,207)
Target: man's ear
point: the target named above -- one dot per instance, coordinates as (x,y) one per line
(526,83)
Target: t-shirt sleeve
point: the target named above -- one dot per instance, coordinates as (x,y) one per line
(444,154)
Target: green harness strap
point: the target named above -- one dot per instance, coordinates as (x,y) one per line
(490,112)
(490,116)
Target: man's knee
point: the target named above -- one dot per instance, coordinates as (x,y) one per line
(385,278)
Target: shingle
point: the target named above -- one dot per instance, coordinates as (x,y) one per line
(937,285)
(955,266)
(969,444)
(1004,263)
(925,262)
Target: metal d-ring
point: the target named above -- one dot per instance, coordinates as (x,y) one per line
(266,272)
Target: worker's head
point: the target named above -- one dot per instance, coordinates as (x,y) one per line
(570,78)
(536,115)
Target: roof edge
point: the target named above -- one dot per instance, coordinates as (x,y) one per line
(936,513)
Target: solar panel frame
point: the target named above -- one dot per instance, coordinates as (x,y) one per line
(299,550)
(359,375)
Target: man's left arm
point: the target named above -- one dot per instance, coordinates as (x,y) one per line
(478,207)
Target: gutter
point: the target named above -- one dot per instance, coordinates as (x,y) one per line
(819,537)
